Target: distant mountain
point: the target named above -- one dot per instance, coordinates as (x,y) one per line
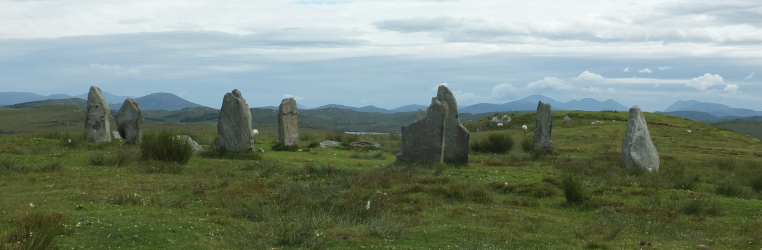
(10,98)
(110,98)
(409,108)
(163,101)
(366,109)
(76,102)
(530,103)
(719,110)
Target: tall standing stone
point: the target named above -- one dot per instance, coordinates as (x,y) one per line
(234,126)
(288,122)
(128,121)
(543,128)
(439,136)
(97,127)
(637,148)
(420,115)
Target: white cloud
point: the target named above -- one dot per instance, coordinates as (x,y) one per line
(589,77)
(550,83)
(626,69)
(295,97)
(466,97)
(503,90)
(116,69)
(750,76)
(645,71)
(664,68)
(705,81)
(731,88)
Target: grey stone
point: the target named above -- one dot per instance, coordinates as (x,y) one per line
(115,135)
(439,137)
(194,145)
(637,148)
(503,119)
(288,122)
(329,143)
(543,128)
(128,121)
(97,126)
(234,126)
(261,150)
(365,144)
(420,115)
(566,118)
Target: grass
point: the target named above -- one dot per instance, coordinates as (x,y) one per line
(495,142)
(707,192)
(164,146)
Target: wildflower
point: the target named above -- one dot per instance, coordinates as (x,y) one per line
(367,206)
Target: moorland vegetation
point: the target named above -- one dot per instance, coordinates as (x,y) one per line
(60,191)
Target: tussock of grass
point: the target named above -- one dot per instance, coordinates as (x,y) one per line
(496,142)
(574,191)
(164,146)
(35,230)
(282,147)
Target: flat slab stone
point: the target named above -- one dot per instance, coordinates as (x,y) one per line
(329,143)
(196,148)
(365,144)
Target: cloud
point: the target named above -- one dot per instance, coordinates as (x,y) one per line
(419,24)
(589,77)
(664,68)
(626,69)
(750,76)
(550,83)
(295,97)
(705,81)
(503,90)
(116,69)
(731,88)
(645,71)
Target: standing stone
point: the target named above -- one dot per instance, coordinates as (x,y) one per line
(128,121)
(115,135)
(234,126)
(543,128)
(420,115)
(439,136)
(97,127)
(288,122)
(637,148)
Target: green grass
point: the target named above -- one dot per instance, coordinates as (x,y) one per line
(85,194)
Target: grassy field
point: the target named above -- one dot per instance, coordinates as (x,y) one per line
(77,194)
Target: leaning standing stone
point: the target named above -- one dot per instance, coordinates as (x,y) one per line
(128,121)
(637,148)
(234,126)
(97,127)
(543,128)
(288,122)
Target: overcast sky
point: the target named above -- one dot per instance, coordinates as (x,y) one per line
(387,53)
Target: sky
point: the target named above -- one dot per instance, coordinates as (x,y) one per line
(387,53)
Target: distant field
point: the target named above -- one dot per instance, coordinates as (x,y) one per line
(81,195)
(746,127)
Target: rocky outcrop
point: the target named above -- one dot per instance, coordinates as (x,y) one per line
(97,126)
(543,128)
(234,125)
(288,122)
(637,148)
(128,121)
(439,137)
